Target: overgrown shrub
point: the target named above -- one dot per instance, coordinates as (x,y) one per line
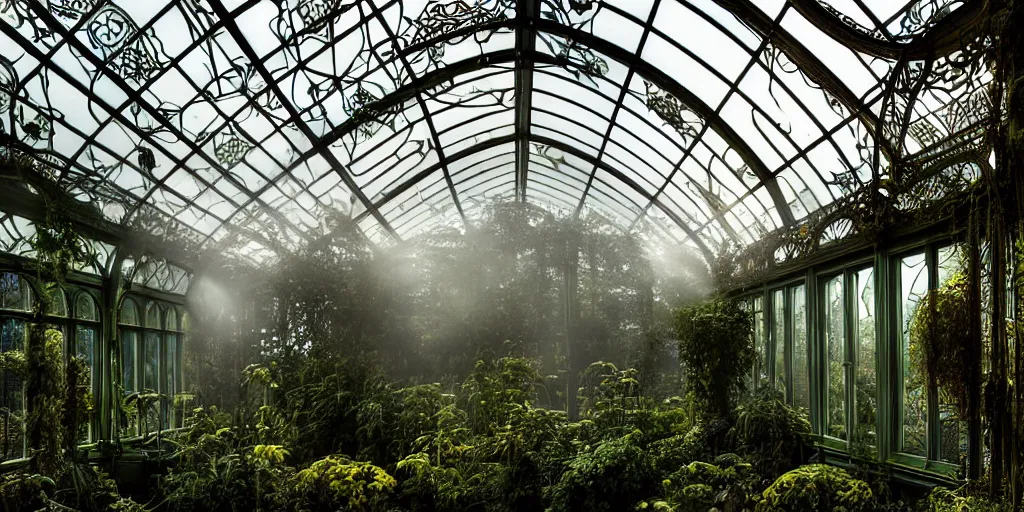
(610,477)
(818,487)
(770,434)
(725,484)
(338,483)
(715,349)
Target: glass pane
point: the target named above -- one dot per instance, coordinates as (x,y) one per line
(85,346)
(866,399)
(151,362)
(953,427)
(85,308)
(801,373)
(760,343)
(153,315)
(779,339)
(12,394)
(129,313)
(151,380)
(58,305)
(171,371)
(835,342)
(129,340)
(172,320)
(14,292)
(913,280)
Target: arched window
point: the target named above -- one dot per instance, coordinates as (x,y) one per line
(58,304)
(151,354)
(87,328)
(129,336)
(15,302)
(172,365)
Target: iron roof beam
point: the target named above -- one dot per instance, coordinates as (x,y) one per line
(945,37)
(427,117)
(656,76)
(101,68)
(527,12)
(497,141)
(321,148)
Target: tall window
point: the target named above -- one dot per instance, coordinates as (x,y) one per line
(834,340)
(151,362)
(801,361)
(760,344)
(172,367)
(953,434)
(15,302)
(787,349)
(129,336)
(913,284)
(87,328)
(865,399)
(779,339)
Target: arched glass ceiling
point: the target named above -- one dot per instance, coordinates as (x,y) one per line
(243,123)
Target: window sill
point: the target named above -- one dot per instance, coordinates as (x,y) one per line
(906,468)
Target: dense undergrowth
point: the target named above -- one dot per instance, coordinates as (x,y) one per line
(344,437)
(357,441)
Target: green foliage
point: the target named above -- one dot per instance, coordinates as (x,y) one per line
(494,387)
(816,487)
(714,347)
(770,434)
(46,398)
(221,466)
(724,485)
(961,500)
(609,477)
(25,491)
(338,483)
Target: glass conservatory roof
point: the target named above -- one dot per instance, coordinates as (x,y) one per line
(245,123)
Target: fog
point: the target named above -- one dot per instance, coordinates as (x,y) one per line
(565,292)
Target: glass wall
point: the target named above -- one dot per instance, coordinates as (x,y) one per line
(801,349)
(779,340)
(852,363)
(15,302)
(865,401)
(834,341)
(87,329)
(151,365)
(912,282)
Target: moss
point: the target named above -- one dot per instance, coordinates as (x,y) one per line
(816,487)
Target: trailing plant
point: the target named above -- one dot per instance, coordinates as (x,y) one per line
(715,350)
